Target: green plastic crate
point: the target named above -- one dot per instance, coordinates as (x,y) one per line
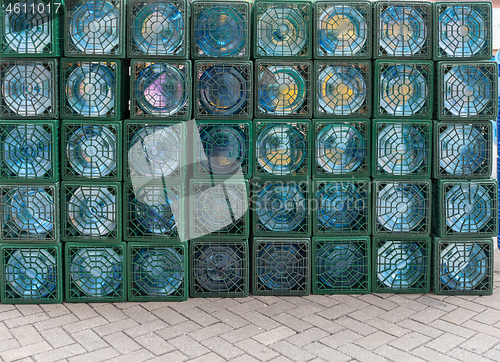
(91,150)
(219,269)
(463,149)
(91,211)
(403,29)
(401,149)
(29,89)
(29,213)
(402,207)
(341,265)
(220,29)
(342,29)
(223,89)
(342,207)
(281,266)
(157,272)
(341,149)
(463,267)
(466,209)
(95,272)
(463,30)
(401,265)
(467,90)
(158,28)
(29,151)
(160,90)
(284,89)
(31,274)
(403,89)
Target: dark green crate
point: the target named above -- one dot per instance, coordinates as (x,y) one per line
(341,265)
(219,269)
(403,29)
(95,272)
(284,89)
(223,149)
(157,272)
(91,150)
(463,267)
(29,213)
(91,211)
(282,148)
(403,89)
(220,29)
(402,207)
(342,89)
(158,28)
(467,90)
(93,89)
(29,89)
(34,31)
(401,265)
(282,29)
(470,34)
(223,89)
(342,29)
(31,274)
(94,28)
(463,149)
(401,149)
(342,207)
(466,209)
(281,266)
(160,90)
(29,151)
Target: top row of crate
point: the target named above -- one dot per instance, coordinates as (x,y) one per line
(200,29)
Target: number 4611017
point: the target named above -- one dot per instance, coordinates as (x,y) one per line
(33,8)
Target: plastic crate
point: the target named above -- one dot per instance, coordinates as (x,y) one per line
(223,149)
(281,208)
(31,274)
(30,29)
(157,272)
(91,150)
(402,149)
(219,269)
(28,89)
(401,265)
(463,30)
(466,209)
(467,90)
(342,207)
(223,89)
(29,151)
(160,90)
(463,267)
(342,29)
(402,207)
(158,28)
(403,89)
(341,149)
(94,28)
(343,89)
(284,89)
(341,265)
(281,266)
(96,272)
(463,149)
(29,213)
(91,211)
(403,29)
(220,29)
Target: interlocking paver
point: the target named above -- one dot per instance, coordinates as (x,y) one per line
(458,316)
(178,329)
(60,354)
(445,342)
(480,343)
(488,316)
(24,351)
(360,354)
(242,333)
(136,356)
(292,352)
(230,318)
(210,331)
(409,341)
(26,335)
(420,328)
(340,338)
(356,326)
(82,325)
(397,314)
(222,348)
(261,320)
(395,354)
(121,342)
(374,340)
(431,355)
(170,316)
(96,356)
(327,353)
(4,332)
(57,337)
(452,328)
(188,346)
(291,322)
(115,327)
(202,318)
(155,344)
(55,310)
(24,320)
(308,336)
(110,312)
(274,335)
(28,309)
(89,340)
(256,349)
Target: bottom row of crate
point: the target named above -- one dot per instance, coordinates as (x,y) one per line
(169,272)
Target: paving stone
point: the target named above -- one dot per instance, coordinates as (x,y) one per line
(8,344)
(56,322)
(463,303)
(409,341)
(121,342)
(110,312)
(145,328)
(222,304)
(210,331)
(222,348)
(170,316)
(260,320)
(274,335)
(276,308)
(308,336)
(139,314)
(104,354)
(57,337)
(327,353)
(188,346)
(360,354)
(257,350)
(431,355)
(428,315)
(292,352)
(488,316)
(26,335)
(249,306)
(445,342)
(392,328)
(337,311)
(24,351)
(436,303)
(24,320)
(136,356)
(82,325)
(374,340)
(89,340)
(395,354)
(154,344)
(458,316)
(202,318)
(377,300)
(170,357)
(480,343)
(178,330)
(482,328)
(323,323)
(4,332)
(242,333)
(55,310)
(210,357)
(292,322)
(81,310)
(115,327)
(230,318)
(60,354)
(340,338)
(366,313)
(355,326)
(464,355)
(397,314)
(245,358)
(452,328)
(28,309)
(420,328)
